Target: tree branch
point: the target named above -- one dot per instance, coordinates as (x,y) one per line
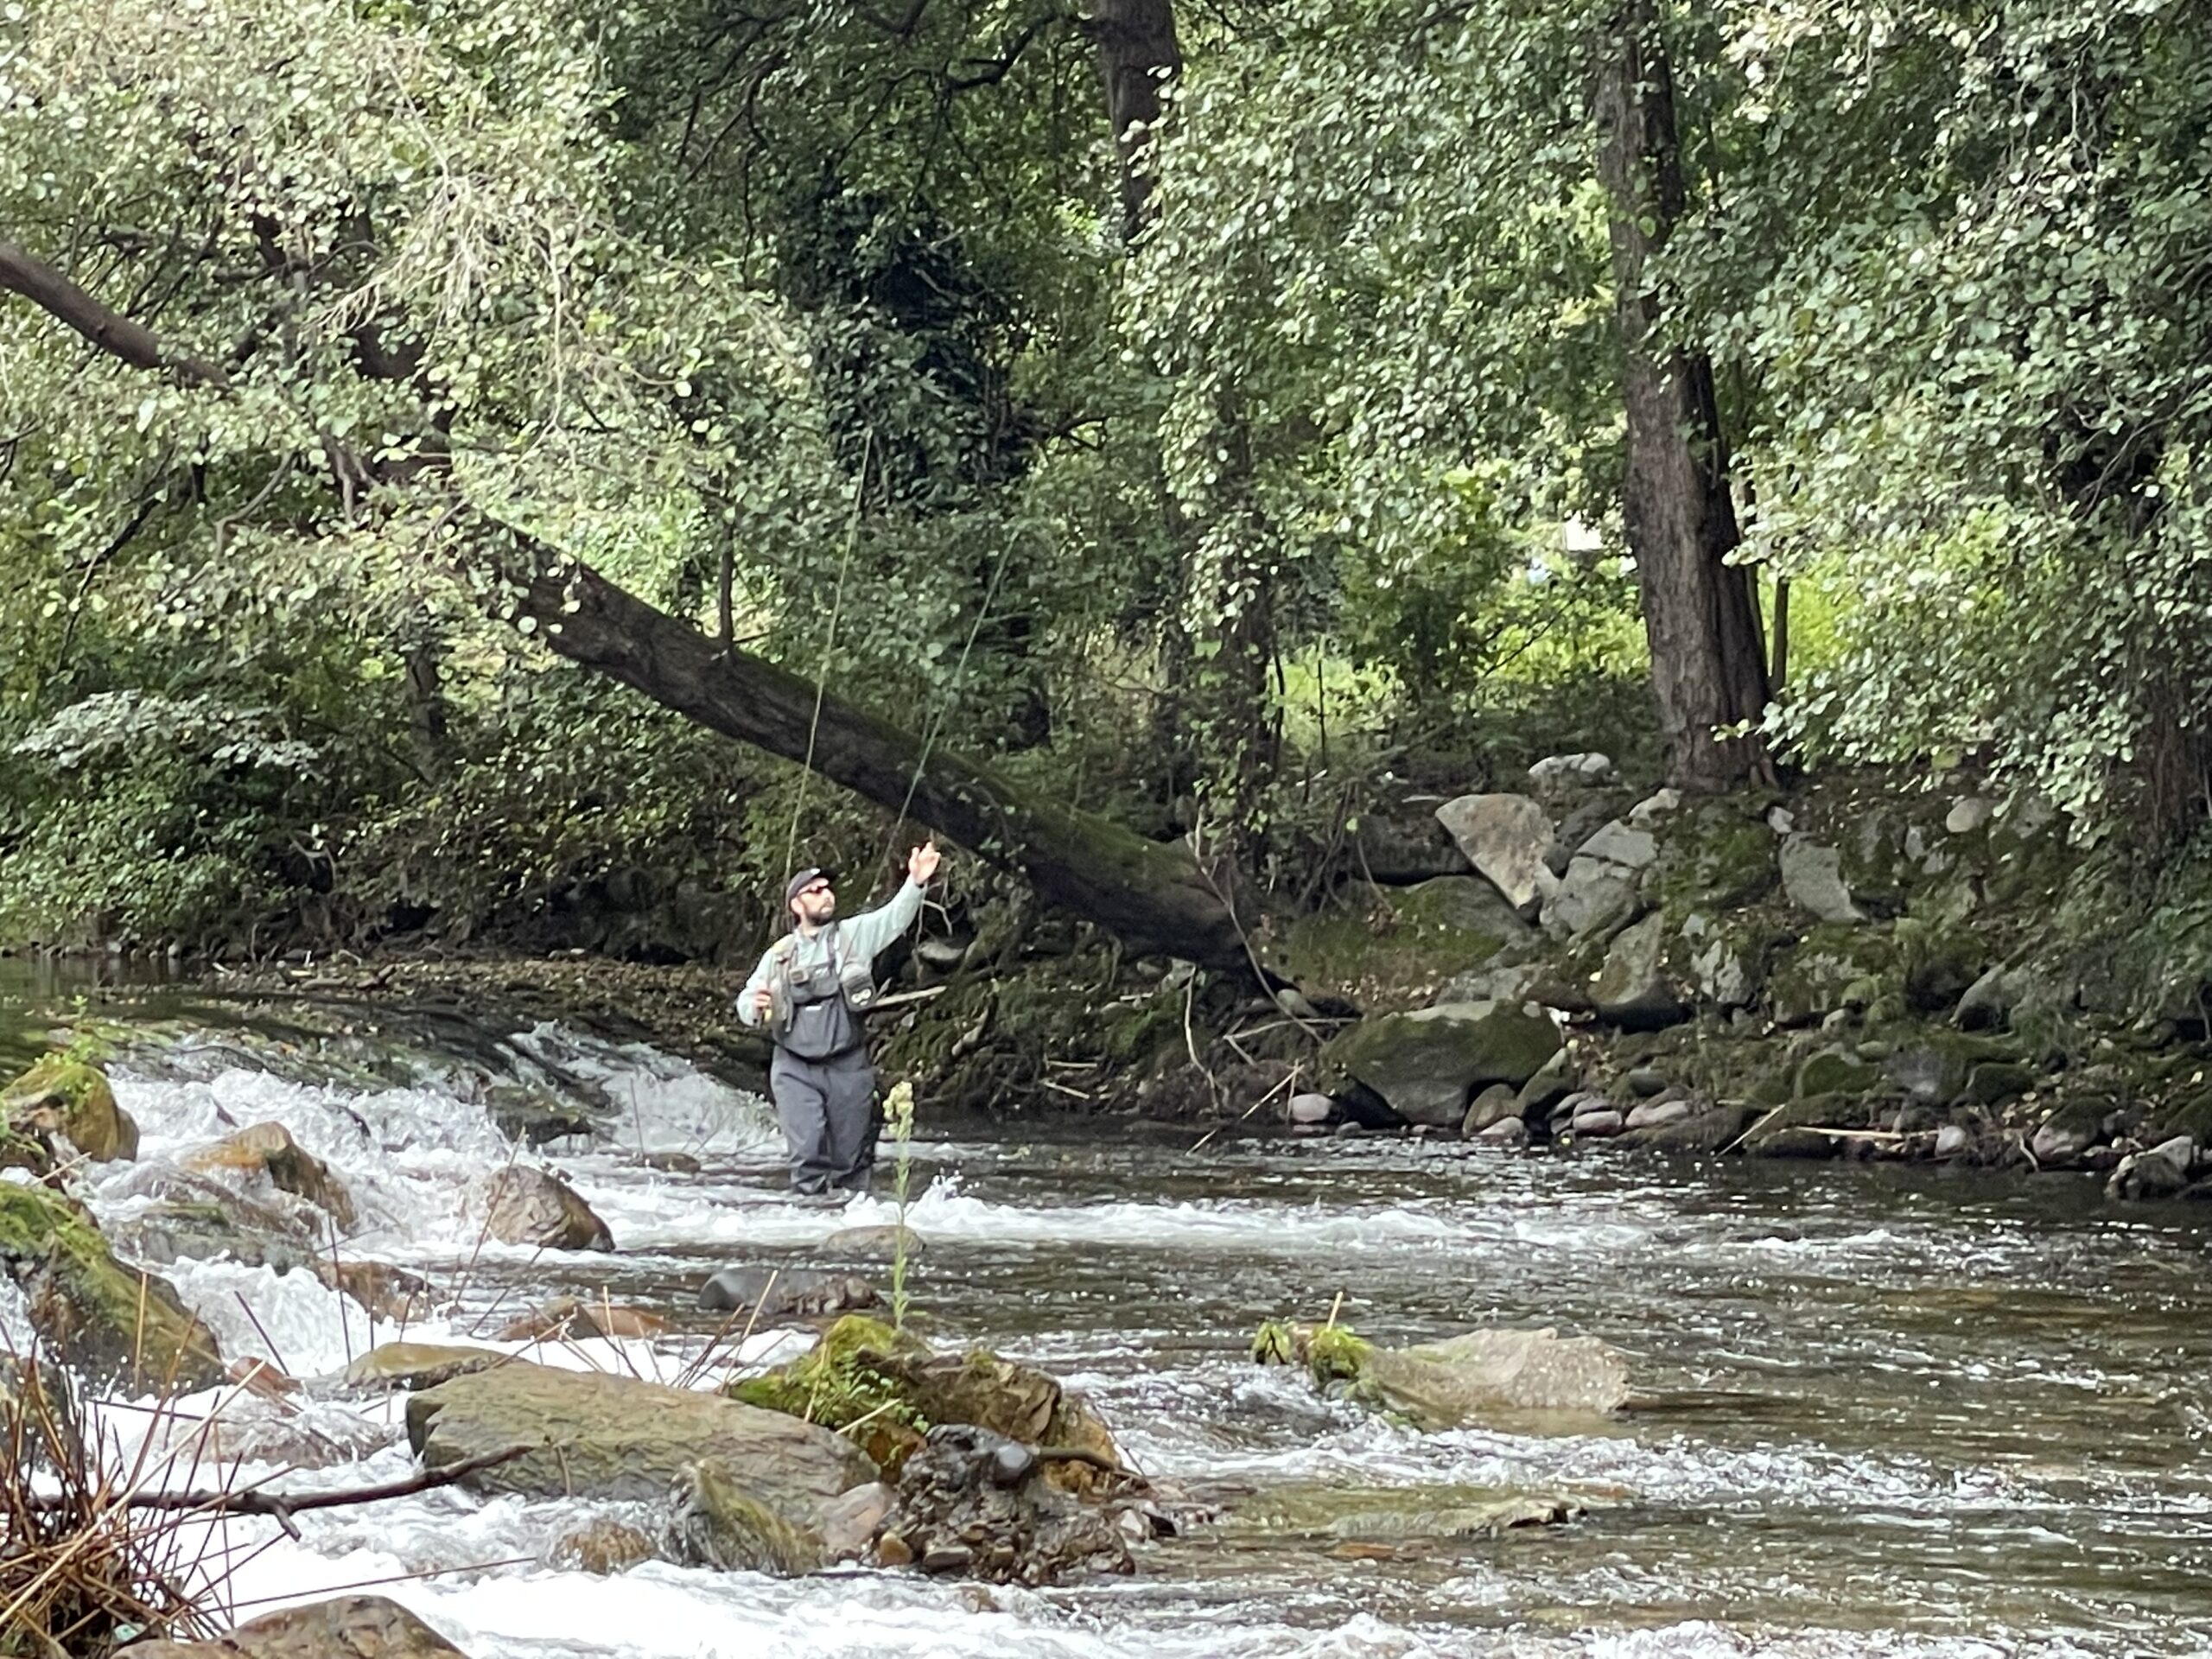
(283,1507)
(109,330)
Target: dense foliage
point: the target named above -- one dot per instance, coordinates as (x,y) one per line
(817,325)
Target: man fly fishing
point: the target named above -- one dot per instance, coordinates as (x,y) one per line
(812,988)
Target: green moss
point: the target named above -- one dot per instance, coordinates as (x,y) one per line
(1333,1353)
(1393,950)
(1718,856)
(99,1315)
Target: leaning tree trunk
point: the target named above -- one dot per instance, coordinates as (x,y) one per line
(1153,897)
(1707,668)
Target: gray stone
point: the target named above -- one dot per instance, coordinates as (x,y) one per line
(1952,1140)
(1967,815)
(1311,1108)
(1555,773)
(1813,877)
(1645,1081)
(1469,1381)
(2159,1171)
(594,1434)
(1504,837)
(1548,1088)
(1781,820)
(1597,1124)
(345,1627)
(1494,1105)
(1652,1113)
(529,1206)
(1593,895)
(1617,844)
(1506,1132)
(1987,1004)
(1652,808)
(1632,990)
(2066,1134)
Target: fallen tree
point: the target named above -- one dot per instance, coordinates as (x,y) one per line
(1153,896)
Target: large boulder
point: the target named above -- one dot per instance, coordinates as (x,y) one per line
(1604,880)
(593,1434)
(351,1627)
(67,1099)
(1424,1065)
(1633,990)
(1505,838)
(121,1328)
(529,1206)
(268,1152)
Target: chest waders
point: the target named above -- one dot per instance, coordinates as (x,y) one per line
(820,1079)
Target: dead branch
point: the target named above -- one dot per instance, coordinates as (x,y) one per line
(282,1506)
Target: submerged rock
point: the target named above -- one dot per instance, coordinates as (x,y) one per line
(719,1524)
(529,1206)
(65,1098)
(351,1627)
(601,1547)
(1465,1382)
(118,1326)
(882,1243)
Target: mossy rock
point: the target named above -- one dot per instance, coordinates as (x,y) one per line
(1995,1081)
(1833,1073)
(718,1524)
(1933,1063)
(1424,1064)
(1385,949)
(2191,1115)
(1716,856)
(1836,965)
(890,1388)
(64,1095)
(118,1326)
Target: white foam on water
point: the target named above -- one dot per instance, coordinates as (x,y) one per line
(665,1102)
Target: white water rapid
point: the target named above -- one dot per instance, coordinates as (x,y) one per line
(1882,1419)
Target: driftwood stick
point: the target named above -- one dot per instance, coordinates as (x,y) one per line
(283,1507)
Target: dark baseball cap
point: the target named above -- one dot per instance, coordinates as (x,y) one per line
(804,880)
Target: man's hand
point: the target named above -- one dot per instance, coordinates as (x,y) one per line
(763,1000)
(921,863)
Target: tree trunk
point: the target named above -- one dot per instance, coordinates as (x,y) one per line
(1153,897)
(1707,668)
(1138,57)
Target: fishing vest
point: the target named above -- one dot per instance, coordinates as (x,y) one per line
(817,1007)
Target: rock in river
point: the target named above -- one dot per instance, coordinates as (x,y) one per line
(100,1317)
(775,1292)
(976,1505)
(529,1206)
(68,1098)
(351,1627)
(1465,1382)
(599,1435)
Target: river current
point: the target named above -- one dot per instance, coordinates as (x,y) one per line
(1880,1412)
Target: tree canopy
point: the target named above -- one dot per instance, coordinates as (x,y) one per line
(1135,423)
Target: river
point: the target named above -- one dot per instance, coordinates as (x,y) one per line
(1882,1411)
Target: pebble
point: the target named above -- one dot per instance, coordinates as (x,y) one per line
(1606,1122)
(1311,1108)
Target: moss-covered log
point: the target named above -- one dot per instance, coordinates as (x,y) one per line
(1153,897)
